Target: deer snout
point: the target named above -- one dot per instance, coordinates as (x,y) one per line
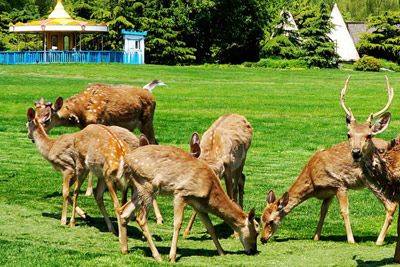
(251,251)
(356,153)
(264,240)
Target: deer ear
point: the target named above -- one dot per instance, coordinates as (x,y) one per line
(252,214)
(143,141)
(271,197)
(30,114)
(381,124)
(283,201)
(195,149)
(58,104)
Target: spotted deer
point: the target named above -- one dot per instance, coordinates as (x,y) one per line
(224,148)
(330,173)
(120,105)
(381,170)
(169,170)
(96,148)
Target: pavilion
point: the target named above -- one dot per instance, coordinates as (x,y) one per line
(61,39)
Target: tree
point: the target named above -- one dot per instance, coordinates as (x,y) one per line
(384,41)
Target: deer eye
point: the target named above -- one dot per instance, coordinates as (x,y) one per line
(369,136)
(348,135)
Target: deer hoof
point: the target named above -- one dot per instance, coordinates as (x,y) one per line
(64,221)
(160,221)
(379,243)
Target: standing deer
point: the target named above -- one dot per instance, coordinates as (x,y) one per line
(119,105)
(97,149)
(169,170)
(381,170)
(328,173)
(224,147)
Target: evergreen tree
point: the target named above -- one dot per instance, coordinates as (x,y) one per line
(384,41)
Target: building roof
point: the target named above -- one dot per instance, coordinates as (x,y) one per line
(59,21)
(345,46)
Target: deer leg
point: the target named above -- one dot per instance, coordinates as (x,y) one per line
(179,207)
(228,183)
(190,224)
(324,209)
(397,251)
(344,210)
(99,194)
(241,183)
(79,211)
(157,212)
(141,220)
(89,190)
(390,210)
(148,130)
(122,224)
(210,229)
(67,176)
(78,185)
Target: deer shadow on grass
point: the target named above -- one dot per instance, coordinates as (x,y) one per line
(340,238)
(183,252)
(222,230)
(99,223)
(373,263)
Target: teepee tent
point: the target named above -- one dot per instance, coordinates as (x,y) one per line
(345,47)
(290,24)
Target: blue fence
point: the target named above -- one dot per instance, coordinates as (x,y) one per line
(37,57)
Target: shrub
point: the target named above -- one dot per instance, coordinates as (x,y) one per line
(367,63)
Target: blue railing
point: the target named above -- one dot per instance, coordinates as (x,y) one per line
(37,57)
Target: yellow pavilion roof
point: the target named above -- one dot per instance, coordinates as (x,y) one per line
(59,20)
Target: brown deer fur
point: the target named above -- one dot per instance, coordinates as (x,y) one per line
(119,105)
(328,173)
(224,148)
(97,149)
(381,170)
(164,169)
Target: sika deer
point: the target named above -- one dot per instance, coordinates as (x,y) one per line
(119,105)
(328,173)
(224,147)
(381,170)
(164,169)
(97,149)
(332,172)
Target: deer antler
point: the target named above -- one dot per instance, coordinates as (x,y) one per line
(390,93)
(342,94)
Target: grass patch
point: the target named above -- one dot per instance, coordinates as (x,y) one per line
(294,113)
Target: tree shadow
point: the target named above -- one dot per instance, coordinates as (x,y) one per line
(185,252)
(222,230)
(99,223)
(340,238)
(382,262)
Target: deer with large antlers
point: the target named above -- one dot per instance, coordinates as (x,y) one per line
(224,148)
(381,170)
(97,149)
(169,170)
(330,173)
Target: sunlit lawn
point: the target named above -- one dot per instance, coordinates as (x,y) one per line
(294,113)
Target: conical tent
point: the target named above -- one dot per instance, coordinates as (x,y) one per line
(290,24)
(345,47)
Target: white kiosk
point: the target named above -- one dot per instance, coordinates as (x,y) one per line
(134,46)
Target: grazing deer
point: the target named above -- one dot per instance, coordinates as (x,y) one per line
(169,170)
(381,170)
(328,173)
(97,149)
(224,147)
(119,105)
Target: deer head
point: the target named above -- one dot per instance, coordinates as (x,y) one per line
(32,123)
(46,112)
(273,214)
(360,134)
(248,234)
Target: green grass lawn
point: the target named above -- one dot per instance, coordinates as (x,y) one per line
(293,113)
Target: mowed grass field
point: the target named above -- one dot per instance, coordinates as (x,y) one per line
(293,113)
